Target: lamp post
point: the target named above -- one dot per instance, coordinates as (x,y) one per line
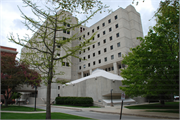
(35,98)
(111,98)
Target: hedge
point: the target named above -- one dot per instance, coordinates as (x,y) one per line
(77,101)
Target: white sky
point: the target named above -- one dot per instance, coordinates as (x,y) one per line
(10,17)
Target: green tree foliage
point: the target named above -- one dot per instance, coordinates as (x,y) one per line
(14,74)
(153,66)
(41,49)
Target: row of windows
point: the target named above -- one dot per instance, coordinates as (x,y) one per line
(98,35)
(65,64)
(68,25)
(99,61)
(99,52)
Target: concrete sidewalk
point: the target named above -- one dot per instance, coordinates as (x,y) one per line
(114,110)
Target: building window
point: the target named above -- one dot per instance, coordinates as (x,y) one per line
(64,31)
(58,87)
(79,52)
(110,38)
(116,25)
(103,24)
(68,25)
(64,23)
(88,64)
(93,46)
(88,48)
(112,57)
(84,50)
(68,32)
(80,29)
(64,38)
(105,59)
(98,35)
(92,30)
(79,60)
(115,17)
(67,64)
(99,60)
(112,68)
(84,65)
(63,63)
(119,54)
(104,40)
(111,47)
(93,54)
(88,33)
(104,32)
(110,29)
(117,34)
(93,38)
(98,43)
(58,54)
(83,29)
(119,66)
(83,36)
(58,46)
(105,49)
(88,56)
(84,58)
(97,27)
(80,67)
(79,38)
(109,69)
(94,62)
(99,52)
(109,21)
(118,44)
(105,69)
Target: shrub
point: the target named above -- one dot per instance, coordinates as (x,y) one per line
(77,101)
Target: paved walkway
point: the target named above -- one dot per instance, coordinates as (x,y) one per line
(114,110)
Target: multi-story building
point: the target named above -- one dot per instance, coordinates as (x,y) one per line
(116,34)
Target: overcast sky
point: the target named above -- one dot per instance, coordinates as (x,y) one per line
(10,17)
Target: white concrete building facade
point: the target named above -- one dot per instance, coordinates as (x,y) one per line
(116,34)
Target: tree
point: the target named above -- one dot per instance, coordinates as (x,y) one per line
(15,74)
(47,40)
(153,66)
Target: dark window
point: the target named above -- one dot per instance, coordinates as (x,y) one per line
(58,54)
(119,54)
(67,64)
(116,25)
(88,33)
(64,38)
(88,48)
(109,21)
(64,23)
(63,63)
(112,57)
(104,32)
(79,44)
(105,59)
(84,58)
(115,17)
(88,56)
(80,67)
(79,60)
(79,38)
(109,69)
(83,36)
(92,30)
(97,27)
(118,44)
(68,25)
(88,64)
(119,66)
(98,43)
(111,47)
(83,29)
(106,69)
(94,62)
(58,46)
(112,68)
(93,38)
(110,29)
(68,32)
(93,54)
(93,46)
(105,49)
(99,60)
(98,35)
(103,24)
(84,50)
(99,52)
(79,52)
(58,87)
(117,34)
(104,40)
(80,29)
(64,31)
(110,38)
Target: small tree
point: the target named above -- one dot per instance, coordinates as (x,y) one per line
(15,74)
(153,66)
(47,29)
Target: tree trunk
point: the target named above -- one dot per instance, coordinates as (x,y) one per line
(48,106)
(5,102)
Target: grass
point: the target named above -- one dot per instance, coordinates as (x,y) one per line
(168,105)
(166,111)
(39,116)
(77,106)
(19,108)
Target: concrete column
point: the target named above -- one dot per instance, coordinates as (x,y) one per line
(82,75)
(90,71)
(115,68)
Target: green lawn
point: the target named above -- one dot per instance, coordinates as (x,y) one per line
(19,108)
(167,111)
(39,116)
(168,105)
(77,106)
